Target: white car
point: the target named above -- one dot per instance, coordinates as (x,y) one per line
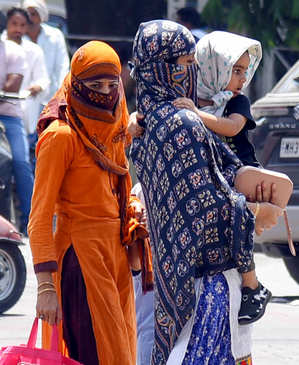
(276,140)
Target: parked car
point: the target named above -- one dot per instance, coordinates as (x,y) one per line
(276,139)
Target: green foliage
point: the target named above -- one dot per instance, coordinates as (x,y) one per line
(272,22)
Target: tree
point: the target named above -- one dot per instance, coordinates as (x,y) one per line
(273,22)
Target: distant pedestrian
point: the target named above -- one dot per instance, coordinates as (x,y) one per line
(36,80)
(12,61)
(144,303)
(190,18)
(52,42)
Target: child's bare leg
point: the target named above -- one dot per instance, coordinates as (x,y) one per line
(249,279)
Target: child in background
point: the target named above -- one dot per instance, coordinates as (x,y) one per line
(144,307)
(227,63)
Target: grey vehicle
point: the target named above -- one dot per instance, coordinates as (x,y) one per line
(276,140)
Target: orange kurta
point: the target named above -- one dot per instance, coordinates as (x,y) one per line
(84,198)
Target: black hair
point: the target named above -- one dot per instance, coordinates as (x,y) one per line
(173,60)
(190,15)
(15,10)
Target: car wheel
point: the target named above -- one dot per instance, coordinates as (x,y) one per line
(293,267)
(12,275)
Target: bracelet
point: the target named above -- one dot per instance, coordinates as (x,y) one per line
(257,208)
(45,283)
(44,290)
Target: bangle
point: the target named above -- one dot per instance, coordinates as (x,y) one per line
(257,208)
(45,283)
(44,290)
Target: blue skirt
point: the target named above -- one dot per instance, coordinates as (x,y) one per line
(210,341)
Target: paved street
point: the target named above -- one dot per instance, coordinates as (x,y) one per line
(275,339)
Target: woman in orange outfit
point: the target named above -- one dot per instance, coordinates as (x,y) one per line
(83,271)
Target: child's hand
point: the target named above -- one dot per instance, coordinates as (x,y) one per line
(184,103)
(133,127)
(265,194)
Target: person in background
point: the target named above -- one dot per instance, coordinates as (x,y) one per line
(52,42)
(144,303)
(201,228)
(12,61)
(36,80)
(84,269)
(190,18)
(129,84)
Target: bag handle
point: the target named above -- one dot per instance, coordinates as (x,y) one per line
(54,338)
(33,336)
(289,233)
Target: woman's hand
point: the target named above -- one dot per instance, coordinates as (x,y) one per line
(47,304)
(133,127)
(266,217)
(48,308)
(184,103)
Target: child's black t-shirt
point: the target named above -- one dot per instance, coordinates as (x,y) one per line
(240,143)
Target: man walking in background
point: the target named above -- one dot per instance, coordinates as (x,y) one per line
(52,42)
(12,61)
(35,81)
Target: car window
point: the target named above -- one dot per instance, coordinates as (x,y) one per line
(58,22)
(2,21)
(289,82)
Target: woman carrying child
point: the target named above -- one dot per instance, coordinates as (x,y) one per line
(201,228)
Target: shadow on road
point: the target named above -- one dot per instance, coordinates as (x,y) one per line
(285,299)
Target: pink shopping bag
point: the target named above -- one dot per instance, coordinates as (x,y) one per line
(30,355)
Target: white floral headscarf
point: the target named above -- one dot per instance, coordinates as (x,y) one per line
(217,52)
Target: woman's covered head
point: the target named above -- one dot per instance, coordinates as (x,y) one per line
(161,40)
(95,58)
(164,63)
(92,94)
(95,75)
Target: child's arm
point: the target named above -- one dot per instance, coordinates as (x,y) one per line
(133,252)
(228,127)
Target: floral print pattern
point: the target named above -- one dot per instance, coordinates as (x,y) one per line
(208,345)
(184,187)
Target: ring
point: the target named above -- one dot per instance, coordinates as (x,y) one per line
(42,317)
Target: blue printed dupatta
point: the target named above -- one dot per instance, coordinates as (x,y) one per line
(198,224)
